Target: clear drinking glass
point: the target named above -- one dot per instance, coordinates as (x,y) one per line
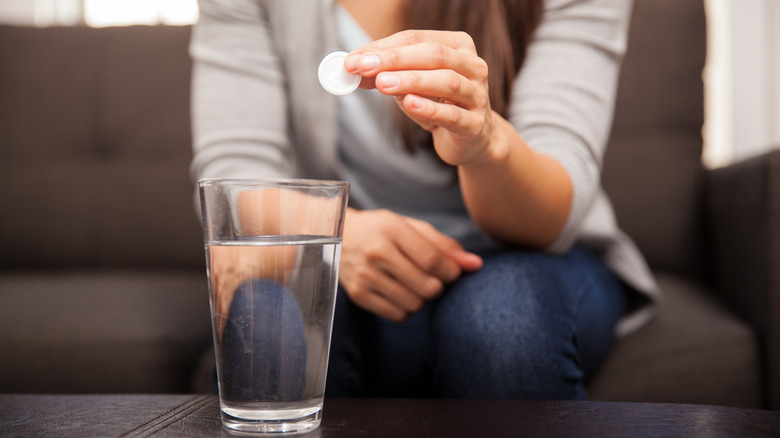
(273,250)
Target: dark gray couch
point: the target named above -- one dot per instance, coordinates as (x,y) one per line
(102,282)
(102,274)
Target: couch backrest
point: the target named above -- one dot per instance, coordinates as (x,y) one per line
(653,170)
(94,148)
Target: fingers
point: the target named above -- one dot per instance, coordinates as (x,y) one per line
(413,273)
(446,85)
(381,280)
(466,260)
(458,120)
(452,102)
(425,56)
(407,257)
(379,293)
(391,267)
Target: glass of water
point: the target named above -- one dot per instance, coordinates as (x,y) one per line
(272,251)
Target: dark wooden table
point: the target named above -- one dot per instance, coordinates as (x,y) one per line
(198,416)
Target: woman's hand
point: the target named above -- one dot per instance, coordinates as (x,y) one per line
(439,81)
(392,264)
(514,194)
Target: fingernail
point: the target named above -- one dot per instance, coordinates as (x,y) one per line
(368,62)
(388,80)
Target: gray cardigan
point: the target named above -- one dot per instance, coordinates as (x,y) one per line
(259,111)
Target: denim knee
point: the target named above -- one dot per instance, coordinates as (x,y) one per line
(264,344)
(508,331)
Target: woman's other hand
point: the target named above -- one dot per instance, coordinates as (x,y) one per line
(392,264)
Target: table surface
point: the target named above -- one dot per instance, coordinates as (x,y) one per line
(198,416)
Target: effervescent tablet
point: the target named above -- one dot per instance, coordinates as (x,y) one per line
(334,78)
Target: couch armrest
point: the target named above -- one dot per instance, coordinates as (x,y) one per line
(744,219)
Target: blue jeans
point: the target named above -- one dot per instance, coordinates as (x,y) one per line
(263,345)
(528,325)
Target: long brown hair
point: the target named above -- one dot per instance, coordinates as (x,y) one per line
(501,30)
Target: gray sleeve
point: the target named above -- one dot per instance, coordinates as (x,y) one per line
(563,99)
(239,104)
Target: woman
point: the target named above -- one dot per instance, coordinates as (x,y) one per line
(481,257)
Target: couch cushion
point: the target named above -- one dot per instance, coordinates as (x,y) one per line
(652,169)
(95,148)
(693,352)
(60,332)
